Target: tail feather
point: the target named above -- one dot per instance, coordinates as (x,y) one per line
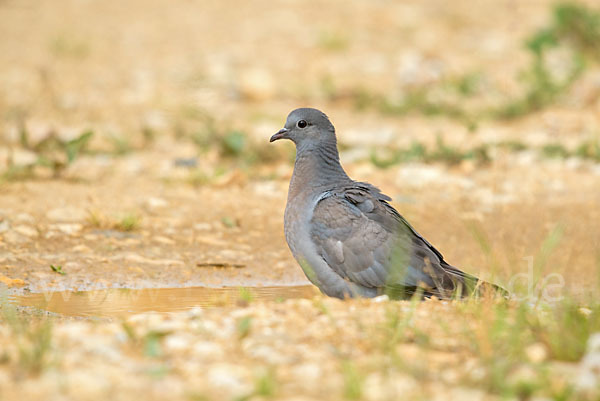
(471,285)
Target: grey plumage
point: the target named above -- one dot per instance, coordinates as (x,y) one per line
(346,236)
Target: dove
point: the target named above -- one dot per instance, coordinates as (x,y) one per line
(346,236)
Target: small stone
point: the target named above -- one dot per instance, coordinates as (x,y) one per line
(177,342)
(21,157)
(230,378)
(68,228)
(25,218)
(81,249)
(163,240)
(207,350)
(67,215)
(593,344)
(378,387)
(156,203)
(12,282)
(155,120)
(12,237)
(186,162)
(4,226)
(310,372)
(380,299)
(26,231)
(536,353)
(266,353)
(87,384)
(202,226)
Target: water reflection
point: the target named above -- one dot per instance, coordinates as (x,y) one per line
(122,302)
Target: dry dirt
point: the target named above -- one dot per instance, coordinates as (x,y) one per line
(146,78)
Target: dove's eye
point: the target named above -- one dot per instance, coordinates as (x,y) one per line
(301,124)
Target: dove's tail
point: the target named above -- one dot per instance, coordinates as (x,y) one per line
(467,285)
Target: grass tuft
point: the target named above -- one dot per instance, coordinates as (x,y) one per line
(33,339)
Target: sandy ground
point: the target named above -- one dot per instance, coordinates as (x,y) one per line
(155,201)
(183,228)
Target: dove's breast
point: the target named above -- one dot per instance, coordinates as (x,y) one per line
(298,215)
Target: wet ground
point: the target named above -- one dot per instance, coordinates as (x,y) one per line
(123,302)
(152,260)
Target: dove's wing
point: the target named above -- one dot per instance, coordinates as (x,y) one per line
(365,240)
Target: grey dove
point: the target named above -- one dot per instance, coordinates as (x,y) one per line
(347,238)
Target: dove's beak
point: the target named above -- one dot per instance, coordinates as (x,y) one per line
(279,135)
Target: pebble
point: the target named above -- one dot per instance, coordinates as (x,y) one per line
(203,226)
(536,353)
(380,299)
(67,215)
(26,231)
(12,237)
(588,379)
(177,342)
(307,371)
(25,218)
(156,203)
(163,240)
(81,249)
(230,378)
(22,157)
(87,384)
(67,228)
(11,282)
(207,350)
(378,387)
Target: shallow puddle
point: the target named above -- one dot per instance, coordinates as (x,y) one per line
(121,302)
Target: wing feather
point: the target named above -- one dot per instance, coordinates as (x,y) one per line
(365,240)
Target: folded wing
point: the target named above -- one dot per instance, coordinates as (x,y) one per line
(366,241)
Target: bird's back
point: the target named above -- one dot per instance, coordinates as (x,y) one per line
(364,240)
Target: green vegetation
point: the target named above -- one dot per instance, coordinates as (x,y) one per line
(33,339)
(572,33)
(508,348)
(353,381)
(125,222)
(265,386)
(480,154)
(52,152)
(121,144)
(233,146)
(229,222)
(515,342)
(245,295)
(66,45)
(128,222)
(58,269)
(573,28)
(333,41)
(148,344)
(244,325)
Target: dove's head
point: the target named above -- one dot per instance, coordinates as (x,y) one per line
(307,127)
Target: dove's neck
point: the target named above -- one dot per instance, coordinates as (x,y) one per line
(316,167)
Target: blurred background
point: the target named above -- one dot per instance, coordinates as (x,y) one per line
(134,154)
(132,71)
(490,110)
